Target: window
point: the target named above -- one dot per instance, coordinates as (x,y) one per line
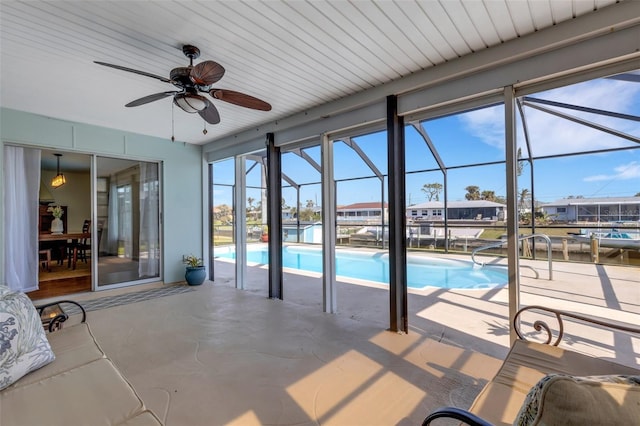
(561,210)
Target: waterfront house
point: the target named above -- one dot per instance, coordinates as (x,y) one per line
(457,210)
(594,210)
(363,213)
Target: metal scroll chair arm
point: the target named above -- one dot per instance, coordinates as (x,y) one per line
(455,413)
(58,319)
(542,326)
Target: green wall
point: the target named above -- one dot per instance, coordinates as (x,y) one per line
(183,175)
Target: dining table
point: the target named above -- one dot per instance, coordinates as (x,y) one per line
(73,236)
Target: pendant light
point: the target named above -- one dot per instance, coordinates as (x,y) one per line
(59,179)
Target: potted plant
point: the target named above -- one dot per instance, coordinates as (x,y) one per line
(195,273)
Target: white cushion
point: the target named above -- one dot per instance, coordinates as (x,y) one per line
(23,344)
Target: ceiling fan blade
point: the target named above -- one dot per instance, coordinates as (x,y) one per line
(150,98)
(146,74)
(240,99)
(210,113)
(206,73)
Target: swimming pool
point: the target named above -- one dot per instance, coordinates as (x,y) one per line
(422,271)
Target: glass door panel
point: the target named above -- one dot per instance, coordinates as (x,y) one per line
(128,222)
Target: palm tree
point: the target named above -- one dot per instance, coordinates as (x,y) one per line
(523,196)
(224,212)
(488,195)
(520,165)
(473,192)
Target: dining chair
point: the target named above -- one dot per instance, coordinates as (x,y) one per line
(45,259)
(78,250)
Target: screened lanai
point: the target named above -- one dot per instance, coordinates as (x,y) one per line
(331,71)
(553,118)
(500,123)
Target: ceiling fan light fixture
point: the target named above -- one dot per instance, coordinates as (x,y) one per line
(190,102)
(59,179)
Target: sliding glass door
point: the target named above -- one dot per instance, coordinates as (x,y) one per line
(127,222)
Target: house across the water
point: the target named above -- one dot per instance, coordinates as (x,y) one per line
(604,209)
(460,210)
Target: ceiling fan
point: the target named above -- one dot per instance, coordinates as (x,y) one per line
(191,81)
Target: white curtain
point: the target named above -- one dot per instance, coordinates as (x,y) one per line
(112,223)
(149,265)
(21,190)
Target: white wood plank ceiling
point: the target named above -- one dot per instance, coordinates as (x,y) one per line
(296,55)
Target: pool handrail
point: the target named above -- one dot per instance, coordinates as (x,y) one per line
(521,238)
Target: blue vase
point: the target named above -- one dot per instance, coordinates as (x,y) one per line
(195,275)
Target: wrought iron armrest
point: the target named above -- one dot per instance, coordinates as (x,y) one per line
(455,413)
(540,325)
(55,322)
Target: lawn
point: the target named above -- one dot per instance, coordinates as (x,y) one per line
(551,231)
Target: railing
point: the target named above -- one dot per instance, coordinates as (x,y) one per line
(526,237)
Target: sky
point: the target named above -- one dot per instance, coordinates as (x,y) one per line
(477,137)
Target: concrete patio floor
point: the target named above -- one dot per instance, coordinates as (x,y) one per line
(478,319)
(218,355)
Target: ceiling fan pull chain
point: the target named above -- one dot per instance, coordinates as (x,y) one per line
(173,138)
(204,131)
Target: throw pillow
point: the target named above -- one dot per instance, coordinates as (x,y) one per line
(559,399)
(23,344)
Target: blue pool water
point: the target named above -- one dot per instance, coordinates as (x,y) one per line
(422,271)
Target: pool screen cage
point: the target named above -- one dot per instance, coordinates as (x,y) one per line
(446,225)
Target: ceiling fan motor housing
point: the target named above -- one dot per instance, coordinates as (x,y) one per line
(180,77)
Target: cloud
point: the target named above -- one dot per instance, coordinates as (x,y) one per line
(550,134)
(486,124)
(622,172)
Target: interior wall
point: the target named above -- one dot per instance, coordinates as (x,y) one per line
(183,174)
(75,194)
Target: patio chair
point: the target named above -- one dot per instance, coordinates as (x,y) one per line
(542,383)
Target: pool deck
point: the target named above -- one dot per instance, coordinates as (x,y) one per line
(477,319)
